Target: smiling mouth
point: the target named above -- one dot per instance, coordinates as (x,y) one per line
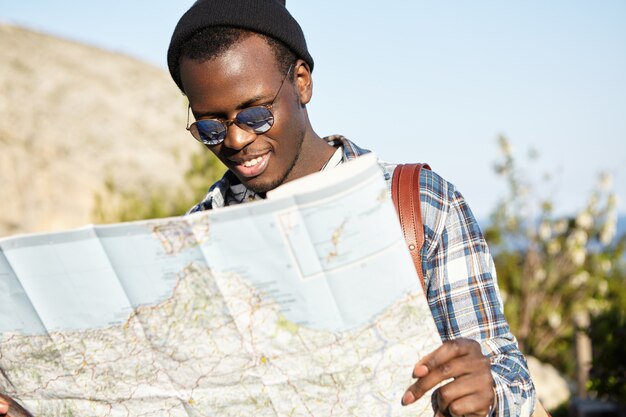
(252,162)
(251,167)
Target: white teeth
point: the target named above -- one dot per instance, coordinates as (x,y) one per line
(252,162)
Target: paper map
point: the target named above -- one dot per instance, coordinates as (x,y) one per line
(304,304)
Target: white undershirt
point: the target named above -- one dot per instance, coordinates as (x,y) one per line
(334,160)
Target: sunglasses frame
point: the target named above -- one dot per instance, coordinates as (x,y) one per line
(229,122)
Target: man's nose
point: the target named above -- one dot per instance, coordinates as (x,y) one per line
(237,138)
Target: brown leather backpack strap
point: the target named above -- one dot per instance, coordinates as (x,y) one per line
(405,193)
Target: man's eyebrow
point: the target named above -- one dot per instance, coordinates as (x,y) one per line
(253,100)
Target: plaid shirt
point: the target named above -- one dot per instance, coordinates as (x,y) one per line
(459,274)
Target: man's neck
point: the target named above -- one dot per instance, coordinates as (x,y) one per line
(314,154)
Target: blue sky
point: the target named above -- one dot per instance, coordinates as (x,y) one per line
(431,81)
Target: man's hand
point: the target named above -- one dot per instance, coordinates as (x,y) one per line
(16,410)
(471,392)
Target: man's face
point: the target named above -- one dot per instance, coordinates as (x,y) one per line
(247,75)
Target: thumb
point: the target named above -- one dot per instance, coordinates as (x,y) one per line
(4,407)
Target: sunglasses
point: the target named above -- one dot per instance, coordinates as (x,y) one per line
(256,119)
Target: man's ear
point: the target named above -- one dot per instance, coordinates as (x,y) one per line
(304,81)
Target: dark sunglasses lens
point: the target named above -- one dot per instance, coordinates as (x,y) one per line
(209,132)
(255,119)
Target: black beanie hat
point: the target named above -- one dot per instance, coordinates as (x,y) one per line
(268,17)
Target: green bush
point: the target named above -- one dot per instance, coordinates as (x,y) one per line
(551,267)
(608,337)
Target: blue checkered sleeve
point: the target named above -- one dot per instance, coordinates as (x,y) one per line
(463,293)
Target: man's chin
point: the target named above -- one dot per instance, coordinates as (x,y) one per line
(264,182)
(262,188)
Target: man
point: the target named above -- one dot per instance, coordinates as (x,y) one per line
(246,70)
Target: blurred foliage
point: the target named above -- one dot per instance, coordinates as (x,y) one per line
(608,372)
(118,204)
(560,411)
(553,269)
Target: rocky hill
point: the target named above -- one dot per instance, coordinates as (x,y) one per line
(73,116)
